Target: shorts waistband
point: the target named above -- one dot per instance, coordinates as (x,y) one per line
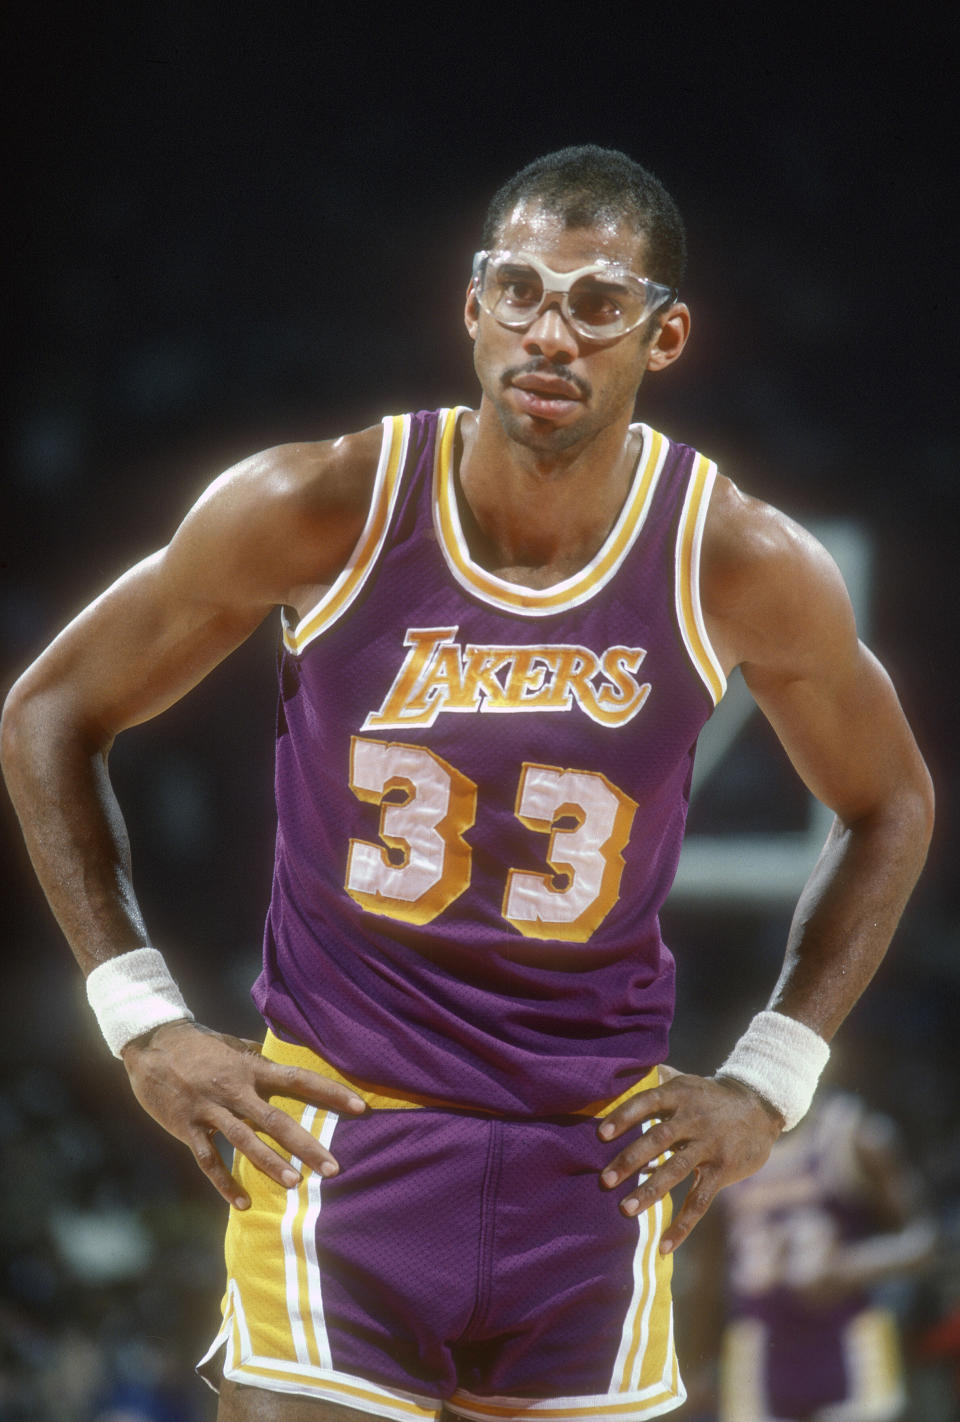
(275,1049)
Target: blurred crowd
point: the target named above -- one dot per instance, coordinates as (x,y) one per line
(110,1260)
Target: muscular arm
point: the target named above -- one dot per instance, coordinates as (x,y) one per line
(267,532)
(784,616)
(776,606)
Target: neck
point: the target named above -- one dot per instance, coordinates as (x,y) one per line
(529,509)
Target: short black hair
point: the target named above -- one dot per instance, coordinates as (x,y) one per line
(588,184)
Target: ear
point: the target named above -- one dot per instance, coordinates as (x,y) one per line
(471,312)
(667,345)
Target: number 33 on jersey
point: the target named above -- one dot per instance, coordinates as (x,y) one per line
(425,828)
(482,788)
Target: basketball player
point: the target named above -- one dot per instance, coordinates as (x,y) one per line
(503,629)
(832,1214)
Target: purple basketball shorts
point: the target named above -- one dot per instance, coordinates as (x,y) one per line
(457,1260)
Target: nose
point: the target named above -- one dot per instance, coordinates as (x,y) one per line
(549,335)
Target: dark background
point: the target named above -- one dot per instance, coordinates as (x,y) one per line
(229,227)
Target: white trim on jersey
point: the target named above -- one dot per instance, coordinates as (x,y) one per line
(345,588)
(689,610)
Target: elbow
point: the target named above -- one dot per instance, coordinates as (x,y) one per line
(40,724)
(21,733)
(12,719)
(914,814)
(931,812)
(898,825)
(925,809)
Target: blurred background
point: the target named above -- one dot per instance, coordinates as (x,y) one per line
(234,226)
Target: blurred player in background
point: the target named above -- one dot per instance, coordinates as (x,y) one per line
(835,1212)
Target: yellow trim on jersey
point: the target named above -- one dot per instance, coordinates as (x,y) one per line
(532,602)
(687,581)
(344,589)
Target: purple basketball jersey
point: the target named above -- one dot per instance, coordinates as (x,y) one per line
(481,792)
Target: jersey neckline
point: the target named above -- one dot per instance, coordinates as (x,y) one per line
(570,592)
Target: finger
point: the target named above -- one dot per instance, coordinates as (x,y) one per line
(634,1111)
(285,1170)
(636,1156)
(700,1196)
(211,1163)
(276,1079)
(291,1137)
(658,1184)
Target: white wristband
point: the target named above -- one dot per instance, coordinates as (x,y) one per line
(132,994)
(781,1059)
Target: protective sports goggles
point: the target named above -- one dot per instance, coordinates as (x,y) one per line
(600,302)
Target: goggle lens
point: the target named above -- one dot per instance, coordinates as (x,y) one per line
(601,301)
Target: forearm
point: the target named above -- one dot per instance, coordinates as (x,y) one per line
(884,1256)
(849,910)
(74,831)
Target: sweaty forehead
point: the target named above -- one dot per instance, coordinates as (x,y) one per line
(534,228)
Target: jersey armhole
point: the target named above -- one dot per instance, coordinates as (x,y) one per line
(687,578)
(345,588)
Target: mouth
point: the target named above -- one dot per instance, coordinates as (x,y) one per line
(546,396)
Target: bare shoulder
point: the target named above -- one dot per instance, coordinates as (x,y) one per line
(283,518)
(297,484)
(317,476)
(767,584)
(776,606)
(274,523)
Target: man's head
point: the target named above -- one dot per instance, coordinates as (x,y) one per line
(574,300)
(590,187)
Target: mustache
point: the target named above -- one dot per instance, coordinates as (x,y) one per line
(540,366)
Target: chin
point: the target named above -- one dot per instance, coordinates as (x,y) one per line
(539,435)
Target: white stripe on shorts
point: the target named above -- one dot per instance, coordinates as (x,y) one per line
(299,1234)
